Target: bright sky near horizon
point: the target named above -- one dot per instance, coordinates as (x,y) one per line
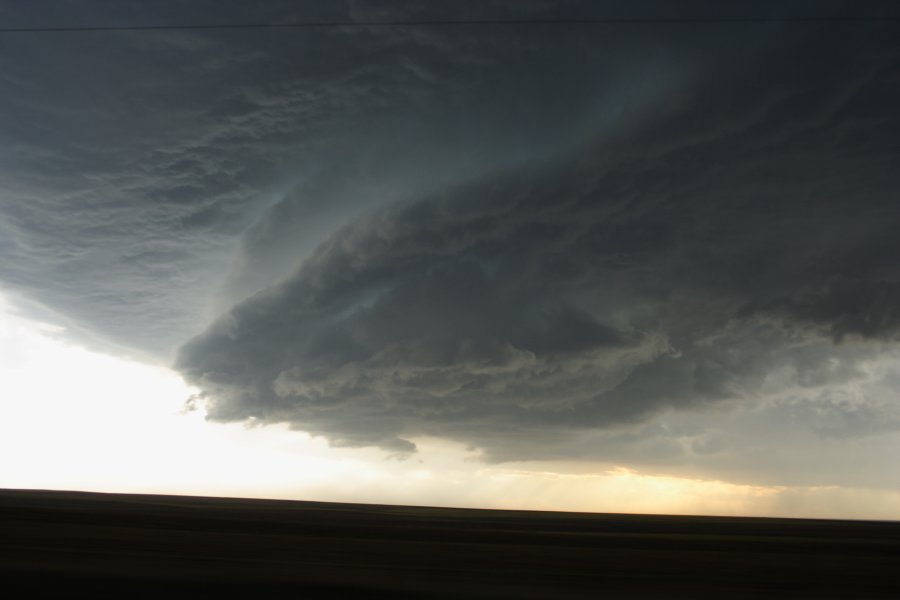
(113,425)
(645,267)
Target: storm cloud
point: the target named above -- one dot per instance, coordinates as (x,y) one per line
(214,161)
(630,243)
(743,234)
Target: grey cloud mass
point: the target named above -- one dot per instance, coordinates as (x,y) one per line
(215,161)
(669,245)
(744,234)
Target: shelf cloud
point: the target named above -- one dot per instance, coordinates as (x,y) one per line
(670,246)
(722,253)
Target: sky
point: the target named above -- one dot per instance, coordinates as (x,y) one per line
(610,267)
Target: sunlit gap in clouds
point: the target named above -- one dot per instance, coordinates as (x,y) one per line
(75,419)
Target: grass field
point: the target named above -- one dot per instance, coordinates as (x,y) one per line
(142,546)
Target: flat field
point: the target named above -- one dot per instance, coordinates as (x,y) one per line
(145,546)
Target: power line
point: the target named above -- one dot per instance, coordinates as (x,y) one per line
(456,23)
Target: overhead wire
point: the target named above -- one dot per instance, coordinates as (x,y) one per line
(455,23)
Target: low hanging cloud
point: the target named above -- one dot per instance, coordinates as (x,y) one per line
(737,250)
(153,179)
(661,244)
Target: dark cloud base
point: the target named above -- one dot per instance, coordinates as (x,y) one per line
(664,244)
(744,235)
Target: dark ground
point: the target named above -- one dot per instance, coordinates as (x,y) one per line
(141,546)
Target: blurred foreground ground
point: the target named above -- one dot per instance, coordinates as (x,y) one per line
(141,546)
